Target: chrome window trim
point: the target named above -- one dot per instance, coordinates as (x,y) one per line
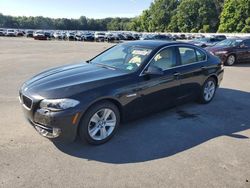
(175,45)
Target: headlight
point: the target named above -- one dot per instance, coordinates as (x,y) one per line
(58,104)
(221,52)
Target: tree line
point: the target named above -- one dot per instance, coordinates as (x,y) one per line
(161,16)
(195,16)
(83,23)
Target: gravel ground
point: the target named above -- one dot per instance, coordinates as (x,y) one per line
(189,146)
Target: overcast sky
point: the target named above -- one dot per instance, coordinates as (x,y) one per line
(74,8)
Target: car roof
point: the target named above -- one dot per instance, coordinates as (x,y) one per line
(239,38)
(153,43)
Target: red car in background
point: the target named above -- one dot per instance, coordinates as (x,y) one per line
(232,50)
(39,35)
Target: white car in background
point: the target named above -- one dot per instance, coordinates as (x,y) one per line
(100,36)
(10,33)
(57,35)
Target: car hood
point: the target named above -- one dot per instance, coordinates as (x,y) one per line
(69,80)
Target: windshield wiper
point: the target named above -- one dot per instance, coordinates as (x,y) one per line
(106,66)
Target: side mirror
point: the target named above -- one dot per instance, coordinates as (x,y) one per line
(153,70)
(243,46)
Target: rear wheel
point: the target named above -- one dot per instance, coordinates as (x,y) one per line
(231,59)
(208,91)
(100,123)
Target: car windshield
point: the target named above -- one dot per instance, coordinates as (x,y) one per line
(124,57)
(229,42)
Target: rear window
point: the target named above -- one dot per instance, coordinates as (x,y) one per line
(201,56)
(191,55)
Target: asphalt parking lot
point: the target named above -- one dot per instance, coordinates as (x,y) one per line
(189,146)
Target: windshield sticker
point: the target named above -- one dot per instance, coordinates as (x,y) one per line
(130,67)
(140,52)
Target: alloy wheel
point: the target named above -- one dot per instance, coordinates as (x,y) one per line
(102,124)
(209,90)
(231,60)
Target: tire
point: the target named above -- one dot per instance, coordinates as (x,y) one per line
(95,122)
(208,91)
(231,59)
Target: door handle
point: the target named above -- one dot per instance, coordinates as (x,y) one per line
(176,75)
(203,68)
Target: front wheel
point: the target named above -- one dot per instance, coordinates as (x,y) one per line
(208,91)
(100,123)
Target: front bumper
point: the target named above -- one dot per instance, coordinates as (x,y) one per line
(220,76)
(57,126)
(223,57)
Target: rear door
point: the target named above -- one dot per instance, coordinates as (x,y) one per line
(191,71)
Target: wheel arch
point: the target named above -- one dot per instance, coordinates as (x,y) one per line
(108,99)
(214,77)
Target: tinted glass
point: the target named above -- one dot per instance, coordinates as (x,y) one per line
(201,56)
(229,42)
(188,55)
(165,59)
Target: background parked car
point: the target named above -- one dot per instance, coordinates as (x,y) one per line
(110,37)
(99,36)
(29,33)
(219,37)
(19,33)
(120,37)
(39,35)
(2,32)
(58,35)
(206,42)
(48,34)
(70,36)
(146,37)
(88,37)
(161,37)
(10,33)
(232,50)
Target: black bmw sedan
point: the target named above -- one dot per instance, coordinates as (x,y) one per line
(90,99)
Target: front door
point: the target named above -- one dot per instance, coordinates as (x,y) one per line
(158,92)
(244,51)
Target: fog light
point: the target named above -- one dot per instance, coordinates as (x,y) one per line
(56,132)
(53,133)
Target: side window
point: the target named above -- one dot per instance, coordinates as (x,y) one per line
(188,55)
(165,59)
(201,56)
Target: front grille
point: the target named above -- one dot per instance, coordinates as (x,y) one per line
(27,102)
